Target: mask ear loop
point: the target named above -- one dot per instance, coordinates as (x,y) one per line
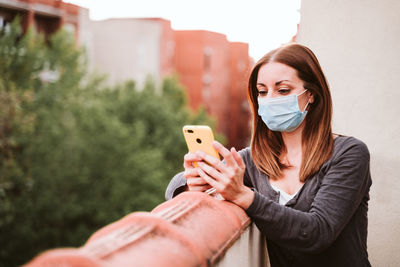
(302,92)
(305,108)
(308,102)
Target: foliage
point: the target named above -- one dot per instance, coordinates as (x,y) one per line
(75,154)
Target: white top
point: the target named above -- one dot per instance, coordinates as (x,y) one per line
(283,196)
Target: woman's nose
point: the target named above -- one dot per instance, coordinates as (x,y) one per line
(271,94)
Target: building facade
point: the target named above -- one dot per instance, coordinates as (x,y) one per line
(46,16)
(357,45)
(212,69)
(215,71)
(132,49)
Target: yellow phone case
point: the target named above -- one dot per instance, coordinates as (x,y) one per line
(200,137)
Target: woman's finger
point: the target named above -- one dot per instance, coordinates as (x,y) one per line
(209,180)
(211,171)
(238,158)
(189,159)
(212,161)
(196,181)
(225,153)
(199,188)
(190,173)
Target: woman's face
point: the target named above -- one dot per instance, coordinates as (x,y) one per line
(277,80)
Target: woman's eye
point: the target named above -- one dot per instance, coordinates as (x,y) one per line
(284,90)
(262,93)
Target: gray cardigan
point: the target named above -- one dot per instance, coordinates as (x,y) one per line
(325,224)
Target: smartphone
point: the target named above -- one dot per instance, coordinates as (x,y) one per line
(200,137)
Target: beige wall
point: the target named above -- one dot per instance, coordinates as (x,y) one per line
(250,249)
(85,36)
(127,49)
(358,45)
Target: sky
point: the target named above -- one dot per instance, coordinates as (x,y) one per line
(263,24)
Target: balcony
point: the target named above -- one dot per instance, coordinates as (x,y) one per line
(192,229)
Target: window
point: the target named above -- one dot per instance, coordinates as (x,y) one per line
(207,58)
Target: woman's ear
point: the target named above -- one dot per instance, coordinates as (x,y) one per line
(311,98)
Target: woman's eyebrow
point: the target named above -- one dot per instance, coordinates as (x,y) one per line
(278,83)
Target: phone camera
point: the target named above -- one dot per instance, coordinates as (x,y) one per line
(190,131)
(198,140)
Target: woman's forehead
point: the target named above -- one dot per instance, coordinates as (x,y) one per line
(274,71)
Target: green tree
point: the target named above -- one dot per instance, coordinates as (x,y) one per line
(75,154)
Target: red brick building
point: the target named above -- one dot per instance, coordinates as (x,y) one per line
(239,110)
(45,15)
(215,72)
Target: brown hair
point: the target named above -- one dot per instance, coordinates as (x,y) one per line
(317,139)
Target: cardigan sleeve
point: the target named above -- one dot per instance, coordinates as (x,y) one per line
(176,186)
(345,183)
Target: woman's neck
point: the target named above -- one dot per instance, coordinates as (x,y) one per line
(293,144)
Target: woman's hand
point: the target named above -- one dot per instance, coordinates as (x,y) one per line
(226,178)
(193,180)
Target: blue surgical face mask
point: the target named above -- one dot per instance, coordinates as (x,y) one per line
(281,113)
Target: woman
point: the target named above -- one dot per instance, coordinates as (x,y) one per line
(305,188)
